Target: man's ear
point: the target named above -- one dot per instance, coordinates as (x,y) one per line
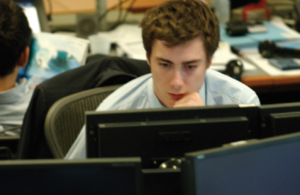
(24,57)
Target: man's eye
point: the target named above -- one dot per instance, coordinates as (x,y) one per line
(164,65)
(191,67)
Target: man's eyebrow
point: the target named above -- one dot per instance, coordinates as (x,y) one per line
(187,62)
(192,61)
(165,60)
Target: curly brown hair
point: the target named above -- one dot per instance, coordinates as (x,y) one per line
(178,21)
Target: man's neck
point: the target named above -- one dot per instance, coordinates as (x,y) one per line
(8,82)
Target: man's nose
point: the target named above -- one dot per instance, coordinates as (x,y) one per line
(176,80)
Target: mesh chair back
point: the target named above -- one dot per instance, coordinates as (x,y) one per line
(66,117)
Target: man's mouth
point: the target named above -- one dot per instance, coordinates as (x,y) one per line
(176,96)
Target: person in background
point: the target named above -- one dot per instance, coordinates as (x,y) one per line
(180,38)
(15,37)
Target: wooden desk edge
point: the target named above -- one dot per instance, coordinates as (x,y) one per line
(286,80)
(258,81)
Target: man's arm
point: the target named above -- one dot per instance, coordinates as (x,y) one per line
(78,149)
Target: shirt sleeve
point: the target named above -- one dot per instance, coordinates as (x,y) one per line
(254,99)
(78,149)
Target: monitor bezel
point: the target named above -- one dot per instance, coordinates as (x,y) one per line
(188,168)
(61,164)
(93,118)
(265,112)
(280,122)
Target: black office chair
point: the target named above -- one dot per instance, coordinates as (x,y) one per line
(66,117)
(98,73)
(5,153)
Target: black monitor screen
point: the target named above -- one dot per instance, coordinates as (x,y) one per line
(278,119)
(92,176)
(157,135)
(269,166)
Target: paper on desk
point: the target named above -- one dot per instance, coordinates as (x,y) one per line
(52,54)
(134,49)
(274,33)
(277,31)
(234,41)
(289,33)
(221,67)
(129,38)
(293,42)
(264,64)
(124,33)
(223,55)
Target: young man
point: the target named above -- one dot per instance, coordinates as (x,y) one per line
(15,37)
(180,38)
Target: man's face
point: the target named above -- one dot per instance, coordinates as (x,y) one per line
(177,71)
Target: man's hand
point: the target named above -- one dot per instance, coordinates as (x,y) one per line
(192,99)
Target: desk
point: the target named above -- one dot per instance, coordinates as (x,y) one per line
(266,83)
(270,89)
(262,82)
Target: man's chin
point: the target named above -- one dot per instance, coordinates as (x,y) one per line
(167,104)
(170,104)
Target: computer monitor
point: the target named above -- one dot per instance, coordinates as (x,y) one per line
(274,116)
(35,12)
(267,166)
(78,177)
(157,135)
(284,123)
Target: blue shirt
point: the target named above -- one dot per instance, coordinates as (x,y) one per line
(218,89)
(14,103)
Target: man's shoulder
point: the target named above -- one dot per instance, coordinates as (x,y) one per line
(131,95)
(217,77)
(231,90)
(33,81)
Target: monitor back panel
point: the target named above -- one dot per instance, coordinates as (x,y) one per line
(270,166)
(284,123)
(156,142)
(92,176)
(213,130)
(265,119)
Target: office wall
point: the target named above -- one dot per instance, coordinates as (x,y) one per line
(64,11)
(69,6)
(85,6)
